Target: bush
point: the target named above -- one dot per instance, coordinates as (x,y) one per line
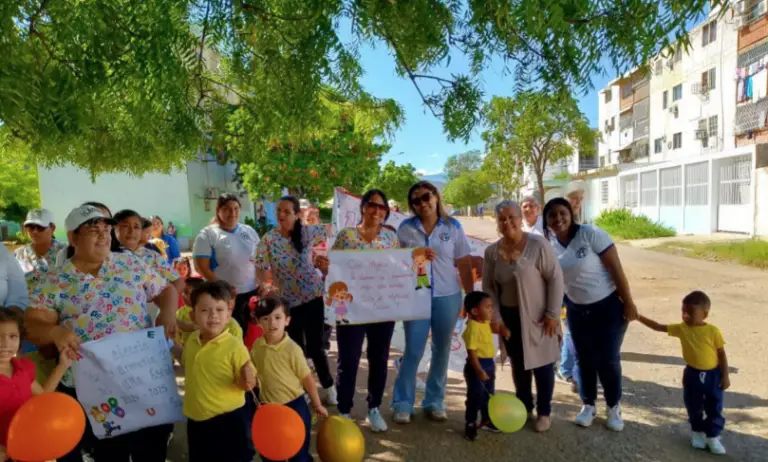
(752,252)
(22,238)
(622,224)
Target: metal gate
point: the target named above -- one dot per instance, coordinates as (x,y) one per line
(671,197)
(734,203)
(630,192)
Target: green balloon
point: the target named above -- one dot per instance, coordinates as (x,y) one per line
(112,402)
(507,412)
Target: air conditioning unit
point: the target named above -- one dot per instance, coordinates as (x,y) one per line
(699,89)
(674,111)
(212,193)
(739,7)
(669,145)
(701,134)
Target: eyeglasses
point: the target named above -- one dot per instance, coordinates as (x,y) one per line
(416,201)
(377,206)
(37,228)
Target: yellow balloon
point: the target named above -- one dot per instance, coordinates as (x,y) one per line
(507,412)
(340,440)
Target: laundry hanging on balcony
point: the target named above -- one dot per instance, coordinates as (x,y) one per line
(752,81)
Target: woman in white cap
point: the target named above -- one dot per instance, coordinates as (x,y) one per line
(41,253)
(114,288)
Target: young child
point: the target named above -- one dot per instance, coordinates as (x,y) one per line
(480,369)
(284,374)
(17,375)
(705,378)
(184,322)
(218,372)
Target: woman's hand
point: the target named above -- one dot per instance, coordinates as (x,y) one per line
(167,319)
(550,326)
(322,263)
(265,290)
(430,254)
(630,311)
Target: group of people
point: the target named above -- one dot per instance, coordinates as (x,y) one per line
(106,279)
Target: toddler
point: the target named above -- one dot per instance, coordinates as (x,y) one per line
(284,374)
(17,375)
(705,378)
(218,373)
(480,369)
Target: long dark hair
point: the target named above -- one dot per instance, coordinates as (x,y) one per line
(114,245)
(441,213)
(297,238)
(220,202)
(367,198)
(548,209)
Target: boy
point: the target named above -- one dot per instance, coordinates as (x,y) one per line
(218,371)
(706,372)
(184,321)
(284,374)
(480,369)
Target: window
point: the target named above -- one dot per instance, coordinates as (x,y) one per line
(658,145)
(678,55)
(602,161)
(701,133)
(608,95)
(604,192)
(665,99)
(677,141)
(677,92)
(713,126)
(709,33)
(709,80)
(626,90)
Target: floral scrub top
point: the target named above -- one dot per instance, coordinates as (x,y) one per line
(29,260)
(156,261)
(295,275)
(350,239)
(94,307)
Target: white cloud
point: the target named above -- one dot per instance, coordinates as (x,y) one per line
(434,155)
(422,172)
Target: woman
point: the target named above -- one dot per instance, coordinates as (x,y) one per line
(287,251)
(599,307)
(522,276)
(171,245)
(13,287)
(447,247)
(371,233)
(67,252)
(225,250)
(41,253)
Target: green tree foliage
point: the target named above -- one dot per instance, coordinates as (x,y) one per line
(461,163)
(536,129)
(467,190)
(504,171)
(395,181)
(139,85)
(19,189)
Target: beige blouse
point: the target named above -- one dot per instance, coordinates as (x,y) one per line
(539,283)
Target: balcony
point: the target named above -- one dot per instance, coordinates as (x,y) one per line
(750,117)
(588,163)
(642,129)
(755,23)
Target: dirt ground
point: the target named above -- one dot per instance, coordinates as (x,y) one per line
(656,427)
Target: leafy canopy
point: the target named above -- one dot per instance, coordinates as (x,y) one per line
(461,163)
(136,85)
(467,190)
(18,183)
(395,181)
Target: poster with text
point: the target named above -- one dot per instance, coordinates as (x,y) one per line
(365,286)
(125,382)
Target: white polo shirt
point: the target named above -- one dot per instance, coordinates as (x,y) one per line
(231,253)
(537,228)
(449,243)
(587,280)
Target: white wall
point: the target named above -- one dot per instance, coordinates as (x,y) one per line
(761,212)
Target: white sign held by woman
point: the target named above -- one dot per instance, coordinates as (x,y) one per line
(125,382)
(365,286)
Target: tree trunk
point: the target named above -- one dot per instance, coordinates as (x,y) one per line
(540,183)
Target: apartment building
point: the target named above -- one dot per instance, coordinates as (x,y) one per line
(687,131)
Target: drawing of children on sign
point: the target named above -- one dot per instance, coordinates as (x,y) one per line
(338,296)
(420,264)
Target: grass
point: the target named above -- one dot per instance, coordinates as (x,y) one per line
(753,252)
(622,224)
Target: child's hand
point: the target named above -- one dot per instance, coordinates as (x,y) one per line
(247,379)
(321,411)
(66,356)
(483,376)
(725,383)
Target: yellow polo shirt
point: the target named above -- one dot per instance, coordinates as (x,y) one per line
(280,368)
(211,370)
(700,344)
(185,314)
(478,337)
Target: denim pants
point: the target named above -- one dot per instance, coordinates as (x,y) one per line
(597,330)
(349,339)
(703,399)
(445,313)
(302,408)
(479,392)
(223,437)
(569,365)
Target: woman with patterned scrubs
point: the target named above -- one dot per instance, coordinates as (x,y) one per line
(69,306)
(41,253)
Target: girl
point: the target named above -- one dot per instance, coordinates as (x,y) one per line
(17,375)
(338,296)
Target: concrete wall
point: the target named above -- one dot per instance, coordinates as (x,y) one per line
(761,211)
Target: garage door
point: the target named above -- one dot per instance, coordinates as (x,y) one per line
(734,209)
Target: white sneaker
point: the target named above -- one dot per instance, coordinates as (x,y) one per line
(438,415)
(331,397)
(715,446)
(402,417)
(699,440)
(346,416)
(615,422)
(376,421)
(586,416)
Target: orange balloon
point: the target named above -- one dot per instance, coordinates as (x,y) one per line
(278,431)
(46,427)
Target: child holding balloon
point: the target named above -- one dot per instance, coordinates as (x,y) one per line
(284,374)
(480,369)
(17,374)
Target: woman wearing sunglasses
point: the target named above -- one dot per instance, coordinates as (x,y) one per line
(447,247)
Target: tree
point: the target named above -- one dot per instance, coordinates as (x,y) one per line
(132,85)
(536,129)
(469,189)
(395,181)
(504,171)
(19,188)
(460,163)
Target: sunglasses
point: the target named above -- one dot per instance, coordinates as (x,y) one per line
(416,201)
(37,228)
(377,206)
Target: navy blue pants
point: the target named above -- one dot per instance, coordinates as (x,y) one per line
(224,437)
(598,331)
(478,391)
(299,405)
(350,342)
(703,399)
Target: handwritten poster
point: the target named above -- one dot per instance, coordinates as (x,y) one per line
(125,382)
(365,286)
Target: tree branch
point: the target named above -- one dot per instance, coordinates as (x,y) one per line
(201,96)
(262,11)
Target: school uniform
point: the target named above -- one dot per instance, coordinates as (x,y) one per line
(479,338)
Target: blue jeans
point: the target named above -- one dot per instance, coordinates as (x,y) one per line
(445,313)
(479,392)
(703,399)
(569,366)
(597,330)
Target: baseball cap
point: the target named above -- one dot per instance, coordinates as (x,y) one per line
(80,215)
(39,217)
